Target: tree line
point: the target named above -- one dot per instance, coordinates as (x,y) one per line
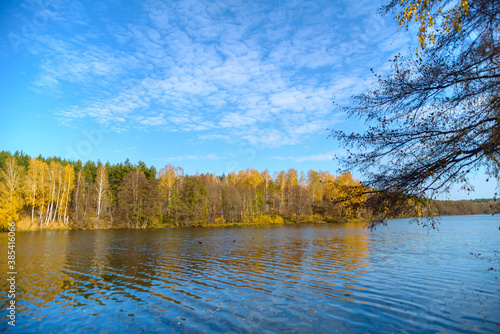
(51,192)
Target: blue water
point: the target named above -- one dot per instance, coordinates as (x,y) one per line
(314,278)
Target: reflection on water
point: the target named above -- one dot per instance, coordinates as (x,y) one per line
(306,278)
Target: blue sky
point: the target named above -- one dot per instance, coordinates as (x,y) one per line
(211,86)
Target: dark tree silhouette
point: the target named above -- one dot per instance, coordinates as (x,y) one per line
(436,117)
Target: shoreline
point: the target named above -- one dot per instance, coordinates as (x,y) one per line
(24,228)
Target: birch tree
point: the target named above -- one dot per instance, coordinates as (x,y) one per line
(102,188)
(167,181)
(32,186)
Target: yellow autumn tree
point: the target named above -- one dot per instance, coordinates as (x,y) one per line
(291,180)
(280,181)
(11,200)
(36,188)
(42,194)
(55,194)
(102,190)
(166,185)
(313,186)
(231,179)
(252,182)
(265,180)
(31,187)
(354,191)
(69,184)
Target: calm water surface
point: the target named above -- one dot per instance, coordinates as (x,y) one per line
(297,278)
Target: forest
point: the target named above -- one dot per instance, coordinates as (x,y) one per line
(51,193)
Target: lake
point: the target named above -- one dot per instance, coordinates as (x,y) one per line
(311,278)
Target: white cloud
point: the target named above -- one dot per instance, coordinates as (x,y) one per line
(264,74)
(86,65)
(235,120)
(308,158)
(153,121)
(211,156)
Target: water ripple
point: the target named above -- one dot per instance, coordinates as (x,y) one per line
(309,278)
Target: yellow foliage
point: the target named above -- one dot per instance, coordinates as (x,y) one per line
(313,219)
(167,178)
(252,178)
(10,192)
(427,13)
(267,220)
(220,220)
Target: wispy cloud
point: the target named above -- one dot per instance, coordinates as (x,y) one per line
(211,156)
(308,158)
(260,73)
